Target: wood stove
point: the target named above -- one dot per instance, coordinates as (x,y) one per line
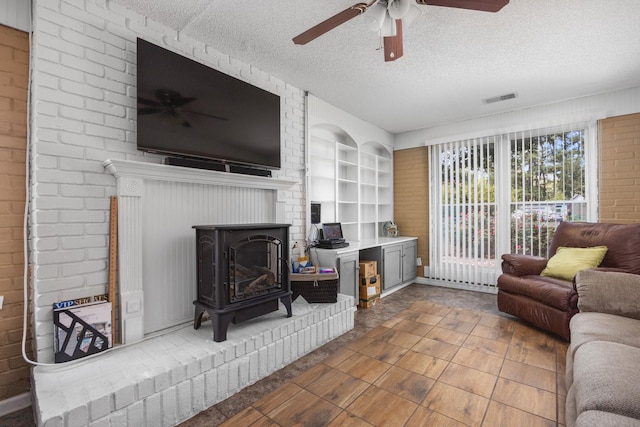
(243,271)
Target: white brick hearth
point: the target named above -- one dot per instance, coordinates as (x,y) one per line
(166,371)
(166,379)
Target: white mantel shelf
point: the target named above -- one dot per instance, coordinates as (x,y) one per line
(142,187)
(159,172)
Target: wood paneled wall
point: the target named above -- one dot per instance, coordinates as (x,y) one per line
(619,178)
(14,76)
(411,197)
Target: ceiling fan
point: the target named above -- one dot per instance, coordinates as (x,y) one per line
(170,103)
(387,16)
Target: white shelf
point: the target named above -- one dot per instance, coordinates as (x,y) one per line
(355,181)
(323,178)
(348,181)
(376,188)
(347,163)
(158,172)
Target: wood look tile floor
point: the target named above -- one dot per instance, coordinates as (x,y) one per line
(423,356)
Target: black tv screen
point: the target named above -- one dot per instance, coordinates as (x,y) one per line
(188,109)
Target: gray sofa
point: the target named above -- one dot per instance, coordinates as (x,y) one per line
(603,359)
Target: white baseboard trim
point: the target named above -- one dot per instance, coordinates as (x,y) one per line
(421,280)
(14,404)
(394,289)
(453,285)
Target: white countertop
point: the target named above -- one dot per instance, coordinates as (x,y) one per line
(369,243)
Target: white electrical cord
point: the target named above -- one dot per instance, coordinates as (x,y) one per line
(25,221)
(25,247)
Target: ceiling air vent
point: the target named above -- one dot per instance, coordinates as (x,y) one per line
(499,98)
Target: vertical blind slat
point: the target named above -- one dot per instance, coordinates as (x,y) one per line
(547,171)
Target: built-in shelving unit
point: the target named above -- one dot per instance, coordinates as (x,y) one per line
(353,184)
(376,188)
(322,171)
(347,181)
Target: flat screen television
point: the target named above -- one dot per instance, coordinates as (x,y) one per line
(190,110)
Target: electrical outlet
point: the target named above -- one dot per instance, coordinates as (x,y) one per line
(133,306)
(1,301)
(418,262)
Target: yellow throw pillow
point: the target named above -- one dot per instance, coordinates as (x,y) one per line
(566,263)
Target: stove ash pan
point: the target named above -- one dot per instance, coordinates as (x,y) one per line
(242,273)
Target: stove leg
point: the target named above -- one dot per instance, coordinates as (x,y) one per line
(197,319)
(220,326)
(286,300)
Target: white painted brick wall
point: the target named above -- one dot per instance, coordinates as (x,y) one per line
(198,393)
(83,105)
(99,408)
(168,403)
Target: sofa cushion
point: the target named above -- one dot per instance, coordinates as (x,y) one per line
(591,326)
(609,292)
(622,241)
(599,418)
(566,263)
(606,378)
(547,290)
(588,327)
(570,414)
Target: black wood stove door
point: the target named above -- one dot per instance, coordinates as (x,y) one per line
(254,267)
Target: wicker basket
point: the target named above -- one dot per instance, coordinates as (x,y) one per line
(315,287)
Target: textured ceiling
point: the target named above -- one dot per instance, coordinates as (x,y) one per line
(543,50)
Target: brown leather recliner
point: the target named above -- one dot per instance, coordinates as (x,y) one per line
(549,303)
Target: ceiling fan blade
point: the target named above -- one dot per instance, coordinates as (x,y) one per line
(393,48)
(149,110)
(331,23)
(179,102)
(211,116)
(482,5)
(146,101)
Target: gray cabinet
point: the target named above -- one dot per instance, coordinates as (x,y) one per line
(391,266)
(347,265)
(409,256)
(348,269)
(396,258)
(398,264)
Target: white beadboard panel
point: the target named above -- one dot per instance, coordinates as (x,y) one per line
(169,211)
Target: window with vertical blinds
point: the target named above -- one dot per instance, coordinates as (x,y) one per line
(547,186)
(499,194)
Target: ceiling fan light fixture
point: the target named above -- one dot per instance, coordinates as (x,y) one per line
(399,8)
(375,17)
(411,15)
(389,27)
